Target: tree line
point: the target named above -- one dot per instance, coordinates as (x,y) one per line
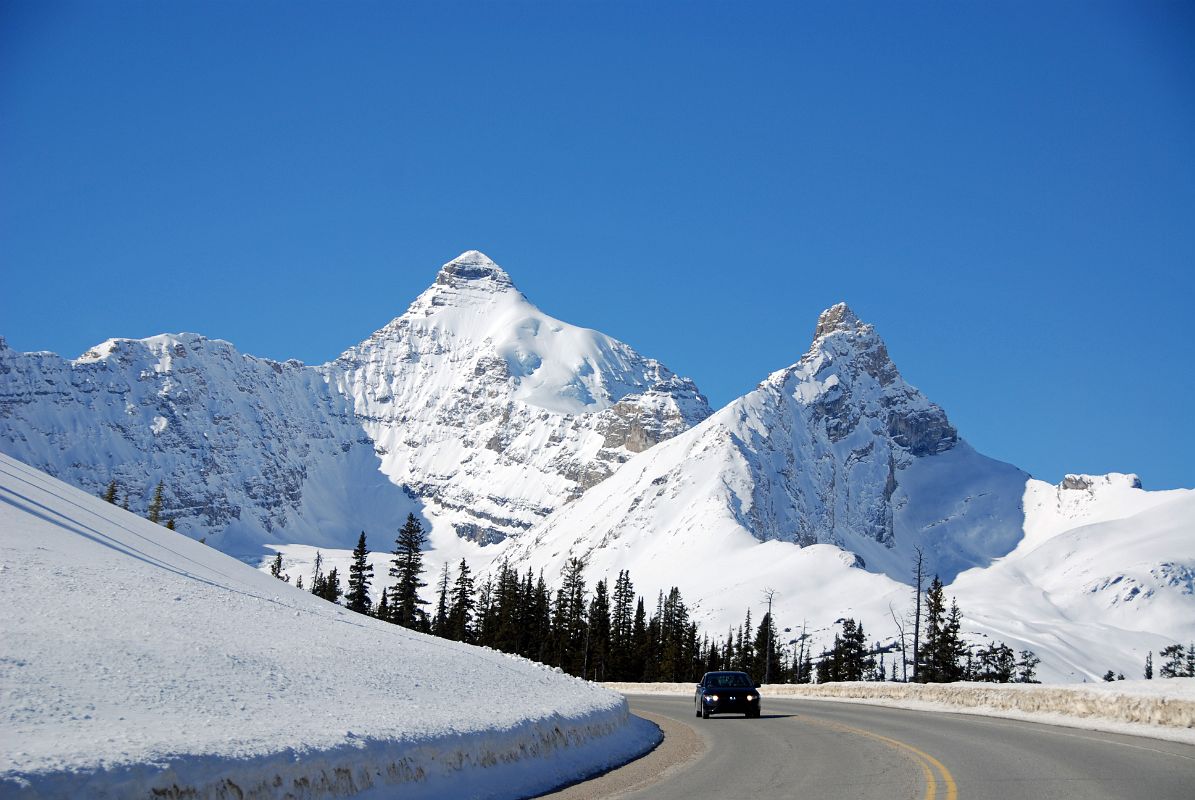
(153,510)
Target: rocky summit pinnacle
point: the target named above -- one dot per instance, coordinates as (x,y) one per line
(838,317)
(470,266)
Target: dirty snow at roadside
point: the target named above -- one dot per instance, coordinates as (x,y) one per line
(135,659)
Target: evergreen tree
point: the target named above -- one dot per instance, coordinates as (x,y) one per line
(767,657)
(997,663)
(1027,667)
(276,568)
(1174,663)
(598,620)
(1109,676)
(360,575)
(299,582)
(1191,661)
(110,492)
(170,524)
(440,617)
(622,615)
(382,611)
(155,505)
(460,613)
(405,602)
(1149,665)
(332,590)
(640,642)
(568,619)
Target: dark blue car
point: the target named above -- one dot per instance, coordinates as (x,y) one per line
(727,693)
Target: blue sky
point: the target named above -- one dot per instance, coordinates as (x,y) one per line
(1006,190)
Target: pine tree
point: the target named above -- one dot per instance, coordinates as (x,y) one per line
(299,582)
(766,665)
(568,619)
(1149,665)
(1191,661)
(1174,661)
(276,568)
(460,613)
(440,617)
(1109,676)
(640,642)
(622,614)
(1027,667)
(332,591)
(360,575)
(382,610)
(407,567)
(170,524)
(155,505)
(110,492)
(598,621)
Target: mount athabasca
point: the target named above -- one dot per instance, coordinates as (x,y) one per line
(517,437)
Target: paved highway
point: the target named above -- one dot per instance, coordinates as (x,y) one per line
(803,749)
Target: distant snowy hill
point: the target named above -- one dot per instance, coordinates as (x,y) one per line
(136,662)
(473,408)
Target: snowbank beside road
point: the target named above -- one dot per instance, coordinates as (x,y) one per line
(1163,709)
(138,662)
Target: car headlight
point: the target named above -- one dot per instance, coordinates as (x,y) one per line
(713,698)
(751,698)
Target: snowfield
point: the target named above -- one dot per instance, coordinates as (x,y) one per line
(137,662)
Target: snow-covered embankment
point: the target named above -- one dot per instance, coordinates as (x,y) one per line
(1163,709)
(137,662)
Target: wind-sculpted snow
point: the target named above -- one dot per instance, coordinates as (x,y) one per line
(497,414)
(136,662)
(248,450)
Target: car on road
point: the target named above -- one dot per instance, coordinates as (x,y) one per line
(727,693)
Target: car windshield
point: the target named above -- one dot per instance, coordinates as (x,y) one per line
(728,680)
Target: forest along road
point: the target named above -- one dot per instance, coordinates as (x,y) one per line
(807,749)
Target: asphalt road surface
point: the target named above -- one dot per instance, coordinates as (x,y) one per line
(803,749)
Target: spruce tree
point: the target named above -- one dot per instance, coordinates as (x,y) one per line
(332,591)
(460,613)
(170,524)
(599,634)
(382,610)
(110,492)
(407,567)
(1149,665)
(1027,667)
(767,657)
(276,568)
(440,616)
(360,575)
(640,642)
(622,615)
(155,505)
(1174,661)
(317,575)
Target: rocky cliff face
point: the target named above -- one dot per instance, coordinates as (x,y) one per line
(473,406)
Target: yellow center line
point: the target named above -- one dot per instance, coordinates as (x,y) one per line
(920,757)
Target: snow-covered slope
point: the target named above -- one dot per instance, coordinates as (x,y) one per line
(135,661)
(497,414)
(248,450)
(1105,573)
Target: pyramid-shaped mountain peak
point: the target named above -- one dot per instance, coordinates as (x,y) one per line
(838,317)
(473,266)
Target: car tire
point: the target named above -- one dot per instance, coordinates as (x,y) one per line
(697,709)
(705,714)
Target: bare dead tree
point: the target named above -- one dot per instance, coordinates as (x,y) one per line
(918,579)
(904,659)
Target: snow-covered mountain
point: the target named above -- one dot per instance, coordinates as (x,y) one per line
(837,449)
(495,413)
(824,481)
(473,406)
(248,450)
